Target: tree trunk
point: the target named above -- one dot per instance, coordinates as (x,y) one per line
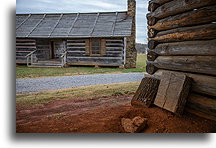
(146,93)
(201,32)
(194,17)
(197,64)
(187,48)
(202,84)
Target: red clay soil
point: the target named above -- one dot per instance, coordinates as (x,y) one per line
(103,115)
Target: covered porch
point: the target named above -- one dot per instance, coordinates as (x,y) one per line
(48,53)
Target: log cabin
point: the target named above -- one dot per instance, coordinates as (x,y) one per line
(57,40)
(182,42)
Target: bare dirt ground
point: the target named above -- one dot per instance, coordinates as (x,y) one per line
(103,115)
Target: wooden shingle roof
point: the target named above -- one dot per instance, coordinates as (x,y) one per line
(76,25)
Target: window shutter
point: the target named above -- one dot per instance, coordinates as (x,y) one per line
(87,47)
(103,47)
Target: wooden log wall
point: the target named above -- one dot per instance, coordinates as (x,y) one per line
(112,52)
(24,47)
(182,38)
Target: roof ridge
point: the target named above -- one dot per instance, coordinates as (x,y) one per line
(69,13)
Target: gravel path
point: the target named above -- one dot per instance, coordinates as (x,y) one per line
(53,83)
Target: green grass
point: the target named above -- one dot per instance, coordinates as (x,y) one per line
(85,92)
(27,72)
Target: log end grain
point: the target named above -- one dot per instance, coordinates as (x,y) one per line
(151,56)
(146,92)
(150,68)
(152,44)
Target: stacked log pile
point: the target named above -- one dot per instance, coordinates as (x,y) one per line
(182,37)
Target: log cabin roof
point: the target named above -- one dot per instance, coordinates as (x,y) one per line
(73,25)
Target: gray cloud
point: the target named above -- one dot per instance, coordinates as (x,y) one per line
(73,6)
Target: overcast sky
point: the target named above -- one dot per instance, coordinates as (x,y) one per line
(74,6)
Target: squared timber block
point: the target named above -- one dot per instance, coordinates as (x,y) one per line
(146,92)
(173,92)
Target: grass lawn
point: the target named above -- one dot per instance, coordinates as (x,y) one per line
(86,92)
(23,71)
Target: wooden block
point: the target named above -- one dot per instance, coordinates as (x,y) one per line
(173,92)
(146,92)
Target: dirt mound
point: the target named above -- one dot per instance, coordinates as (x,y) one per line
(103,115)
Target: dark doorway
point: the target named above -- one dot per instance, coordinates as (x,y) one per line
(52,50)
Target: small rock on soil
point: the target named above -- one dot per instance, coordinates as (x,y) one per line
(135,125)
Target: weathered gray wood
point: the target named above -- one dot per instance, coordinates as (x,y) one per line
(73,24)
(203,84)
(204,48)
(93,28)
(196,64)
(79,44)
(146,93)
(194,17)
(173,92)
(103,47)
(200,114)
(160,1)
(56,24)
(96,58)
(178,6)
(36,25)
(201,106)
(114,24)
(24,47)
(23,21)
(201,32)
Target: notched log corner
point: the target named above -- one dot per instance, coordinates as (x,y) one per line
(150,68)
(152,44)
(151,56)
